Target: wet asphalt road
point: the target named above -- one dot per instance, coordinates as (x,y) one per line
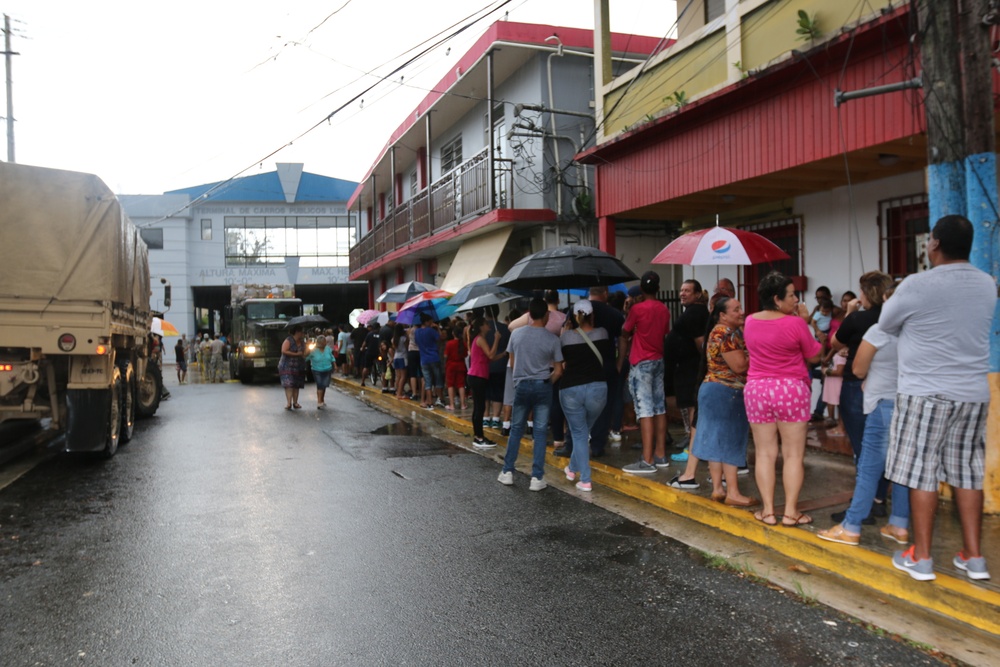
(231,532)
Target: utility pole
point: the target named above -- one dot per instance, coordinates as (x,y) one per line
(962,172)
(8,55)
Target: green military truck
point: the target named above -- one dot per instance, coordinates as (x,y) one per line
(258,324)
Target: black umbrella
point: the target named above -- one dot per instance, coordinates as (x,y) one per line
(404,292)
(307,319)
(483,288)
(567,266)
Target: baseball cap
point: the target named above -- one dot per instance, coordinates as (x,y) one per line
(650,282)
(583,306)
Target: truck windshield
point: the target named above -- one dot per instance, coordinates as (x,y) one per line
(273,309)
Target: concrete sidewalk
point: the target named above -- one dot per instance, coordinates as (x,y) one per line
(827,488)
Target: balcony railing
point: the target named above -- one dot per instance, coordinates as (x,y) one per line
(459,195)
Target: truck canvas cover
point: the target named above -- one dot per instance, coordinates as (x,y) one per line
(65,237)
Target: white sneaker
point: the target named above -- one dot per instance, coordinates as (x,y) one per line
(507,478)
(536,484)
(615,436)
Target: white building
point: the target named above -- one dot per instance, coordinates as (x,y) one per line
(287,226)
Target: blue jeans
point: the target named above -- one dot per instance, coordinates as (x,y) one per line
(582,405)
(871,467)
(529,395)
(852,411)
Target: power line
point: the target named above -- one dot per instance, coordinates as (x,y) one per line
(470,21)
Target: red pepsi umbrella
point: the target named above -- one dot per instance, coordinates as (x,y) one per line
(720,246)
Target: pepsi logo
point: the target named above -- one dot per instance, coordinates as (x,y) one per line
(720,246)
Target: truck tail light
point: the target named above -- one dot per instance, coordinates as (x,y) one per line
(6,367)
(102,349)
(67,342)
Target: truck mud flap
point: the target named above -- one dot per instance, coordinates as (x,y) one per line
(87,419)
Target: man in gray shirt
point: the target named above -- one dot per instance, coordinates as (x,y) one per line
(943,318)
(538,363)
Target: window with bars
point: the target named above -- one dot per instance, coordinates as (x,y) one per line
(714,9)
(451,154)
(904,229)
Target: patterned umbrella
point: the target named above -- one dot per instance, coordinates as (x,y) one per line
(367,316)
(402,293)
(437,308)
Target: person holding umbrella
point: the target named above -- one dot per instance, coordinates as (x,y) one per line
(646,326)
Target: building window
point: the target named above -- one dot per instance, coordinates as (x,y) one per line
(904,229)
(206,229)
(153,238)
(451,154)
(414,184)
(322,241)
(714,9)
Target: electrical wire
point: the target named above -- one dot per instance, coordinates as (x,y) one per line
(470,21)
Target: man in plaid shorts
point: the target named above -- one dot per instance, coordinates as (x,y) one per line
(943,318)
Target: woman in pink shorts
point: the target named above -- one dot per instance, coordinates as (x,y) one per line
(778,392)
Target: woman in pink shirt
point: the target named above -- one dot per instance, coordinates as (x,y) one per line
(778,392)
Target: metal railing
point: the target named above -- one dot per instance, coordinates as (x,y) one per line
(458,196)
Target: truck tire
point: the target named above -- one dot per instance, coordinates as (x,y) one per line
(114,431)
(246,373)
(150,391)
(128,402)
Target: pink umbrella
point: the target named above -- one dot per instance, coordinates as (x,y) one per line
(720,246)
(367,316)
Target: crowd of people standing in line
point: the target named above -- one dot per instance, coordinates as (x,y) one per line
(913,410)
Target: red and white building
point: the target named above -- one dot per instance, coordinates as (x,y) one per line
(481,173)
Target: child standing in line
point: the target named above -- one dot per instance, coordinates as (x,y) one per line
(455,370)
(831,392)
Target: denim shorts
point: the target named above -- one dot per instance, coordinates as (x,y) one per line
(645,383)
(322,379)
(433,375)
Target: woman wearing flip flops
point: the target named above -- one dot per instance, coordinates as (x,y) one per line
(778,392)
(292,366)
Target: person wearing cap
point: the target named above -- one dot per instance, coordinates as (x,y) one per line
(538,364)
(646,326)
(583,388)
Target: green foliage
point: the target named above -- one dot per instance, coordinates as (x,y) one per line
(808,29)
(679,99)
(738,66)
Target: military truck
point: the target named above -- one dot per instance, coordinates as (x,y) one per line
(258,319)
(74,309)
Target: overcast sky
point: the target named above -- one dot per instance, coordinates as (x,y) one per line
(159,96)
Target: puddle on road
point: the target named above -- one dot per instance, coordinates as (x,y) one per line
(631,529)
(400,428)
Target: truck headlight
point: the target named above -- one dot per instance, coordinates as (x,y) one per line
(250,349)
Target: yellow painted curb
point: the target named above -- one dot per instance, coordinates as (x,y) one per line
(948,595)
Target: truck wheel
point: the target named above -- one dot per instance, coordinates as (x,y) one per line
(150,391)
(128,402)
(114,415)
(246,374)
